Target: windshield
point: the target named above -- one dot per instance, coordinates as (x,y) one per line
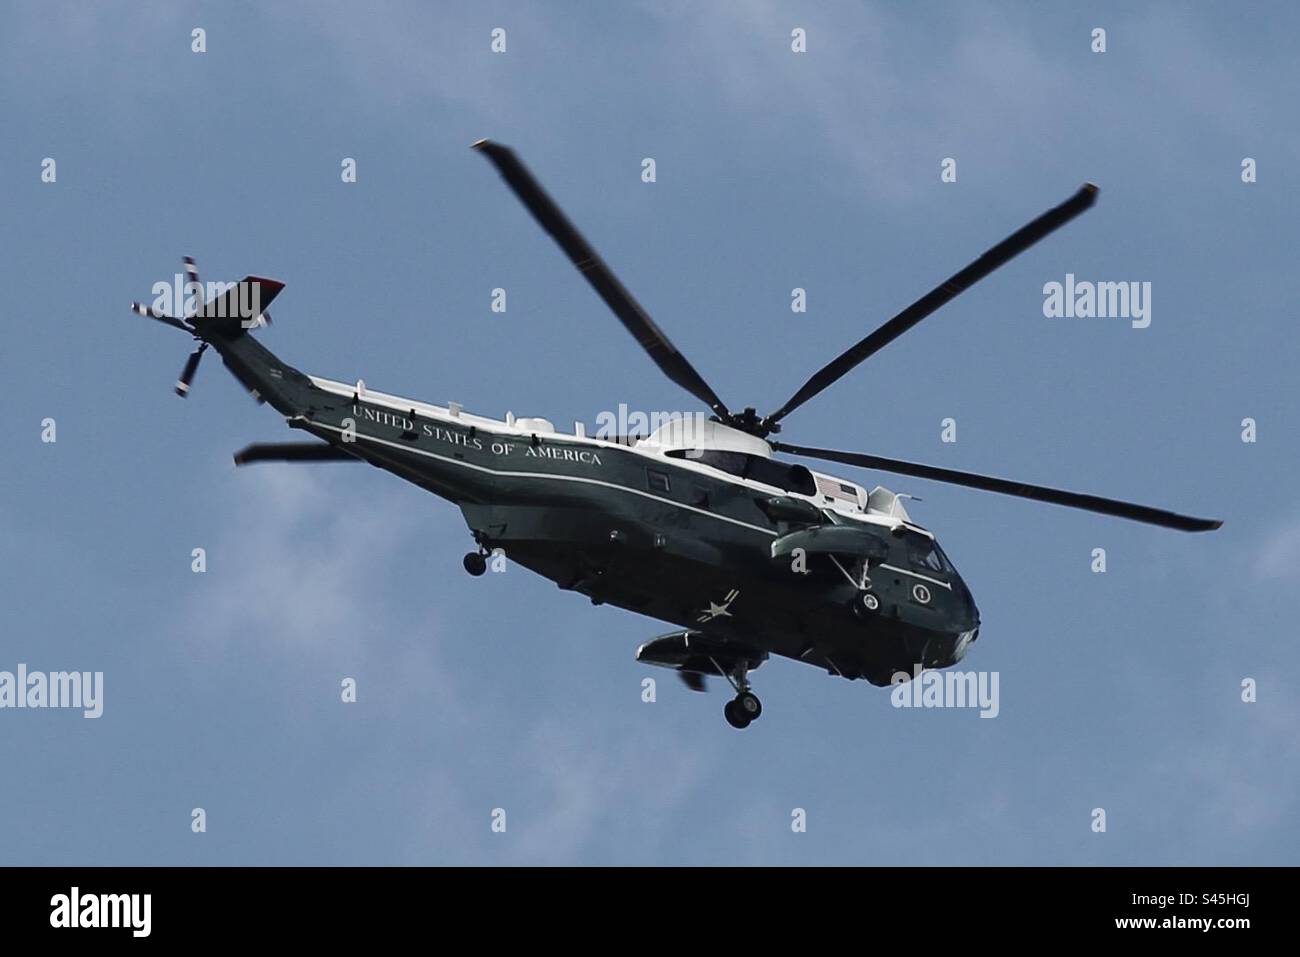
(924,553)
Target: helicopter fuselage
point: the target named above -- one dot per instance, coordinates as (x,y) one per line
(747,555)
(744,567)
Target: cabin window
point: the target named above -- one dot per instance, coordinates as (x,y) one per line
(657,481)
(782,475)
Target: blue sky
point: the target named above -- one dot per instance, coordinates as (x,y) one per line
(775,170)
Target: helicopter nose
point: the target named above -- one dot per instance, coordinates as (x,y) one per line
(964,640)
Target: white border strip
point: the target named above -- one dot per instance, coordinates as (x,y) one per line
(544,475)
(927,578)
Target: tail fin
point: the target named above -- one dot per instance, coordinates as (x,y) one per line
(236,309)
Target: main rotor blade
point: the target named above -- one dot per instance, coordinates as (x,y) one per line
(594,269)
(1010,247)
(292,452)
(1091,503)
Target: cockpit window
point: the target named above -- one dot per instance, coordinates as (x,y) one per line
(925,553)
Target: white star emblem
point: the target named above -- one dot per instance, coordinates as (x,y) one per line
(717,611)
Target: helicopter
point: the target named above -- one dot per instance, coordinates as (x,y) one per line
(697,523)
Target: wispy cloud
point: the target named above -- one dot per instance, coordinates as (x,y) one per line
(1279,554)
(292,568)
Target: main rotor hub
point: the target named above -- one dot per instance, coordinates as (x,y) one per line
(749,421)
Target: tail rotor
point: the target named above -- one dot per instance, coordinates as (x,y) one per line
(233,310)
(185,325)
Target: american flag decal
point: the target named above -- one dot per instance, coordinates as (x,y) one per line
(828,486)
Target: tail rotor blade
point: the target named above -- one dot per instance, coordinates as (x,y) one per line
(150,313)
(191,367)
(192,279)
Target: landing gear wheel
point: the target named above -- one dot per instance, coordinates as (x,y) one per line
(866,604)
(745,706)
(734,716)
(475,563)
(748,706)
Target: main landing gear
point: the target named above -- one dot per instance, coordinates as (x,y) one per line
(745,707)
(866,602)
(742,709)
(476,562)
